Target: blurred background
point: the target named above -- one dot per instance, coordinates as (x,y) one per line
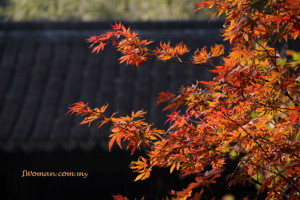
(93,10)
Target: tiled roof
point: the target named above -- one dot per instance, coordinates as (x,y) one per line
(45,67)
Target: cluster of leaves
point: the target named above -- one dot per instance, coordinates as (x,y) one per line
(132,128)
(249,112)
(135,51)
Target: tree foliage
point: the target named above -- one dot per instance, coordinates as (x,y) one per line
(250,111)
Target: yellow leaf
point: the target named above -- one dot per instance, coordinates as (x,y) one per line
(172,167)
(139,177)
(217,50)
(177,166)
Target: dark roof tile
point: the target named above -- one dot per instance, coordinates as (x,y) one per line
(161,81)
(27,116)
(124,90)
(70,93)
(7,68)
(142,87)
(53,92)
(14,99)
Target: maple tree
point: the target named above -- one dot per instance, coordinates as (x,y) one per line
(250,111)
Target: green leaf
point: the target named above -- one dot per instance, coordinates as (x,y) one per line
(254,114)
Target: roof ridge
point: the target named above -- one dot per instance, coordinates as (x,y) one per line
(102,25)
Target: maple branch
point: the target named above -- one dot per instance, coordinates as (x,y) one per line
(135,133)
(278,146)
(270,56)
(287,180)
(285,92)
(275,108)
(288,95)
(275,64)
(257,182)
(252,179)
(246,133)
(178,58)
(278,174)
(180,62)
